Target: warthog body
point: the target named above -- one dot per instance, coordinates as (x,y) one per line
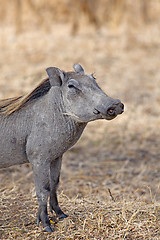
(41,126)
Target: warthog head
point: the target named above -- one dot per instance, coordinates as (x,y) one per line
(83,99)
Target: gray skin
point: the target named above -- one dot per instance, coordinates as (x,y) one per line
(42,130)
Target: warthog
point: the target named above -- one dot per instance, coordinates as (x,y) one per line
(40,126)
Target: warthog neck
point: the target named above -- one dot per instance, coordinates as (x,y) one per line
(65,125)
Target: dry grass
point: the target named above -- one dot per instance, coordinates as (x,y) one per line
(89,219)
(110,179)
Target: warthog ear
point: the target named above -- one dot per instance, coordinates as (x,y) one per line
(56,76)
(78,68)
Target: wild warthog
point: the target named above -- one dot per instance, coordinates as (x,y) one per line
(40,126)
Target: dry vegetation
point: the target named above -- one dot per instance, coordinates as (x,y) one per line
(110,181)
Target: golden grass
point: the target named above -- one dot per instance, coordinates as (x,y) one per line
(89,218)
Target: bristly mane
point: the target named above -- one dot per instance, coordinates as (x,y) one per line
(8,106)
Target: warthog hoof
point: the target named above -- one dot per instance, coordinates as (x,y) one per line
(48,229)
(63,215)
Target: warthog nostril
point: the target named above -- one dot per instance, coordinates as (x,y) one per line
(110,111)
(116,108)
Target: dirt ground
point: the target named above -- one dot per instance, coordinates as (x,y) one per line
(110,180)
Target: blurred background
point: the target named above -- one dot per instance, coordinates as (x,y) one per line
(119,40)
(38,33)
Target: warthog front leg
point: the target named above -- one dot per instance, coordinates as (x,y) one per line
(41,178)
(55,168)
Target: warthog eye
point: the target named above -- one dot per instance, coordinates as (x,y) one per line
(71,86)
(74,84)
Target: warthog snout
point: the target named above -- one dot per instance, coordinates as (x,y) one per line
(111,111)
(115,109)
